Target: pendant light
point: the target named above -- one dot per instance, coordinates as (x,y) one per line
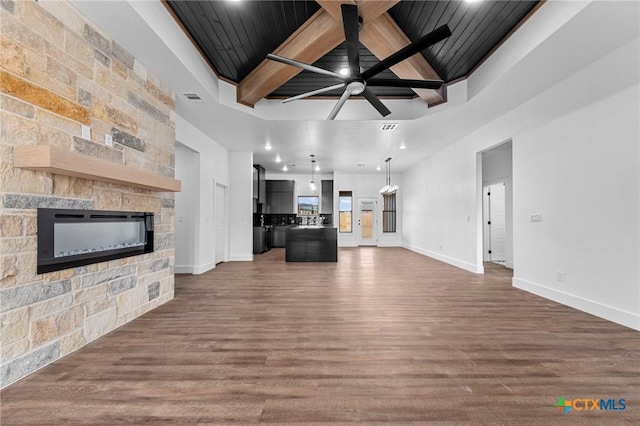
(312,184)
(388,189)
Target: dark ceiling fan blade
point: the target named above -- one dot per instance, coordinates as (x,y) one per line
(315,92)
(339,105)
(413,84)
(377,104)
(304,66)
(350,23)
(419,45)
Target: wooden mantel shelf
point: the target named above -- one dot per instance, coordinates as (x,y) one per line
(55,160)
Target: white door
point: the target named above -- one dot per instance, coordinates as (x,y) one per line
(366,223)
(496,221)
(220,228)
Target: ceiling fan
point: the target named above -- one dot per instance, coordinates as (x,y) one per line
(357,81)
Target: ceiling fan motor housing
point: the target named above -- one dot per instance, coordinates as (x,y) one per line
(356,87)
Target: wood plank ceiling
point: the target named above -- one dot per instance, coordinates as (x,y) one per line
(236,36)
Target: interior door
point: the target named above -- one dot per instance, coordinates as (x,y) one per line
(366,225)
(497,222)
(220,222)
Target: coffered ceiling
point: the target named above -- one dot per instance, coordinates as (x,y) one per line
(236,36)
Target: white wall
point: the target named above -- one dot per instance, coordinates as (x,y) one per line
(497,164)
(368,186)
(209,166)
(576,161)
(186,202)
(241,206)
(439,208)
(581,173)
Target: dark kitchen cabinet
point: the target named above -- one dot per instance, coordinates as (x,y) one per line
(262,239)
(255,183)
(279,235)
(280,196)
(259,240)
(259,184)
(326,203)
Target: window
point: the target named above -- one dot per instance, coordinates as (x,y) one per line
(389,213)
(346,208)
(308,206)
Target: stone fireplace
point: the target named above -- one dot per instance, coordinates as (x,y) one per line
(66,86)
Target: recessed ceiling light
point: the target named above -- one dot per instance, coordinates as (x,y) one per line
(278,159)
(378,168)
(317,168)
(344,71)
(285,168)
(403,146)
(389,126)
(268,146)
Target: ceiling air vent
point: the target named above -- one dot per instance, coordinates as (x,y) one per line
(192,96)
(389,126)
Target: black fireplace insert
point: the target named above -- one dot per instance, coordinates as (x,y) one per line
(71,238)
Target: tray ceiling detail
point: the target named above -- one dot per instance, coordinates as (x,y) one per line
(236,36)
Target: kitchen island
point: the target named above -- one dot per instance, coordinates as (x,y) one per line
(312,243)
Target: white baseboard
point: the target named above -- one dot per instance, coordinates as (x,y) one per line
(508,264)
(450,260)
(183,269)
(197,270)
(242,258)
(347,244)
(628,319)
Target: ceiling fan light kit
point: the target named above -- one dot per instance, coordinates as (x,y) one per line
(356,82)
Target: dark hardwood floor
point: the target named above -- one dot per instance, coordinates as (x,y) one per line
(383,336)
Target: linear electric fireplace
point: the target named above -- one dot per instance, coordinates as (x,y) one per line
(71,238)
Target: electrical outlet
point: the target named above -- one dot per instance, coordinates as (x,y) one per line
(560,276)
(86,132)
(108,140)
(536,218)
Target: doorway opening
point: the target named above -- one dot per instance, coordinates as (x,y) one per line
(497,205)
(366,231)
(220,223)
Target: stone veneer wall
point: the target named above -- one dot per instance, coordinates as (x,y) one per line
(57,72)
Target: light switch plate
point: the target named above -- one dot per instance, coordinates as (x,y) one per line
(108,140)
(536,218)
